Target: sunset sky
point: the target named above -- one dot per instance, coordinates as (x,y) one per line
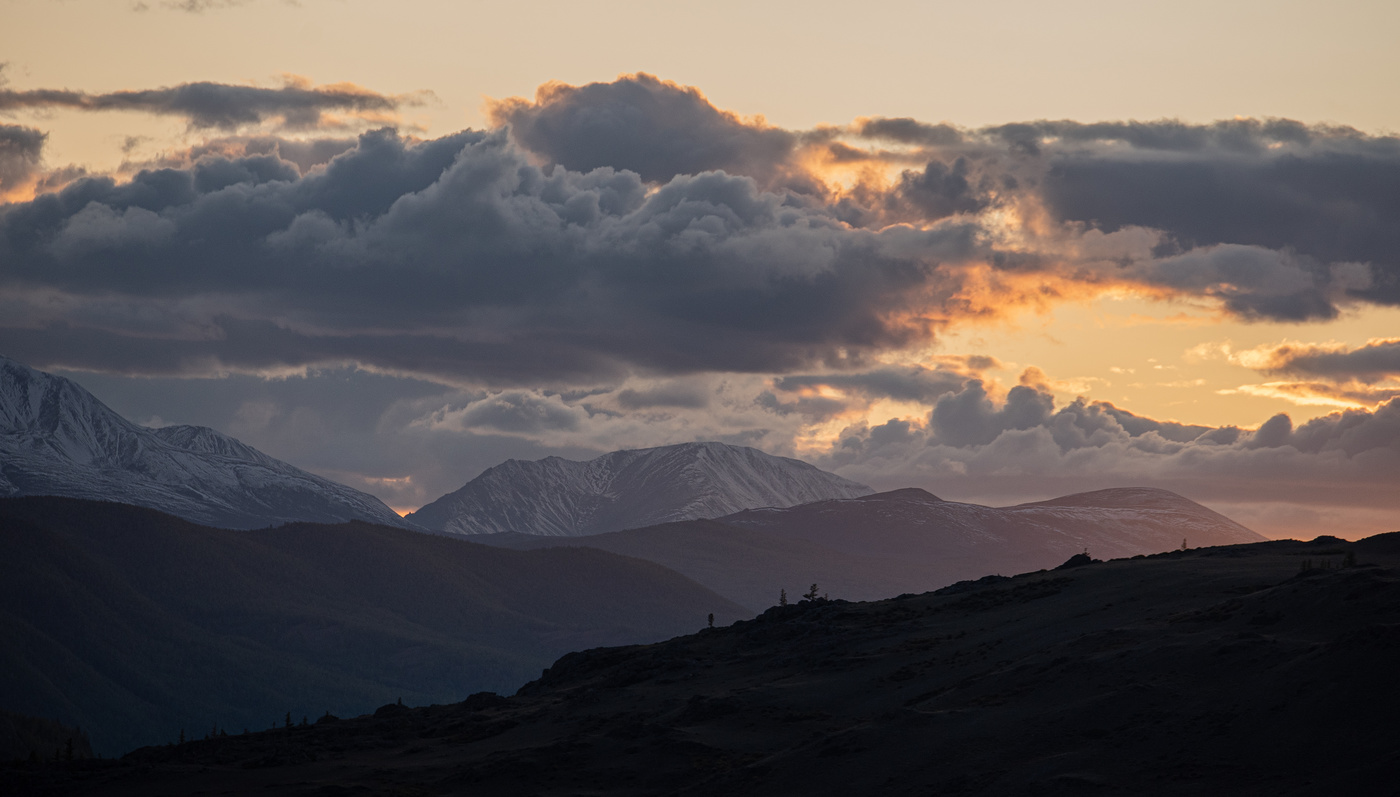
(1002,251)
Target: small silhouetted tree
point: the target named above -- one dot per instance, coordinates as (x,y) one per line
(1183,543)
(811,594)
(782,597)
(289,719)
(712,619)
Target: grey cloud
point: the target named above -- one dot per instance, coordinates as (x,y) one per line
(1240,135)
(977,451)
(670,394)
(459,259)
(1253,282)
(1273,433)
(516,412)
(908,131)
(304,154)
(1325,196)
(1321,201)
(906,383)
(1354,432)
(205,105)
(810,407)
(639,123)
(21,150)
(1373,362)
(942,190)
(968,418)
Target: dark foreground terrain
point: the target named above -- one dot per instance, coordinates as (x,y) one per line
(138,626)
(1262,669)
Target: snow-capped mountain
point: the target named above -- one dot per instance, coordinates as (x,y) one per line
(58,439)
(627,489)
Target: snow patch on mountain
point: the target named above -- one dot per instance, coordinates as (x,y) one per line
(58,439)
(628,489)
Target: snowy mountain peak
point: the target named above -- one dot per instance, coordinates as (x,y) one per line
(58,439)
(208,441)
(627,489)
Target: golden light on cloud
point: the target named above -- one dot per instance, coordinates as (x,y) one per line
(1308,395)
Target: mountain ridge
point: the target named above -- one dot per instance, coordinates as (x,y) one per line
(56,438)
(628,489)
(901,541)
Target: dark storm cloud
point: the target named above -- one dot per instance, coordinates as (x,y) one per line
(652,127)
(460,259)
(295,106)
(21,150)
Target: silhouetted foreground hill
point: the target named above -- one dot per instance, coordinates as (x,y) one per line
(882,545)
(25,738)
(135,625)
(1233,670)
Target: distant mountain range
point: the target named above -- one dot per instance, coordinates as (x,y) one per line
(134,624)
(628,489)
(58,439)
(881,545)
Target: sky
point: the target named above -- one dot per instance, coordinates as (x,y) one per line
(1001,251)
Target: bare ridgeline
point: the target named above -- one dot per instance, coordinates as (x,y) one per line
(1225,665)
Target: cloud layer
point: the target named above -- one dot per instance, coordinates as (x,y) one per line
(625,264)
(297,105)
